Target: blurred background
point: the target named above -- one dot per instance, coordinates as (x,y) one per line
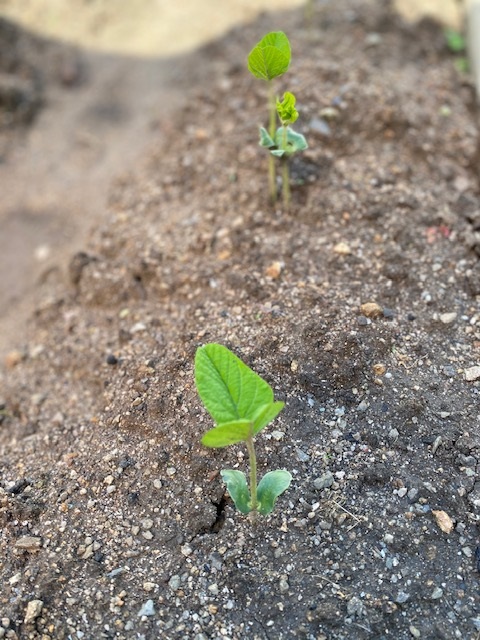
(83,84)
(157,27)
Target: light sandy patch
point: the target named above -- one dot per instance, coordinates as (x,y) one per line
(449,12)
(159,27)
(139,27)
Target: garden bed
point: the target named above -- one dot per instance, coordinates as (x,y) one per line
(115,522)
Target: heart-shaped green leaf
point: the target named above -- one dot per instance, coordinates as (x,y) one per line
(237,488)
(270,57)
(273,484)
(229,389)
(228,433)
(265,415)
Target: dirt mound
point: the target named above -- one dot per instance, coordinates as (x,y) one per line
(114,521)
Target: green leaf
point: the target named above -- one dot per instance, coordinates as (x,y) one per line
(228,433)
(237,488)
(270,57)
(273,484)
(265,139)
(455,41)
(229,389)
(265,415)
(286,109)
(295,142)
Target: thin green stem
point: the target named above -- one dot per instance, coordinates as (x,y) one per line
(271,130)
(285,171)
(253,472)
(272,105)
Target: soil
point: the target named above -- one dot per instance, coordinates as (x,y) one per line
(115,522)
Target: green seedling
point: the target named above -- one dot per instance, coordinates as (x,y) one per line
(456,43)
(267,60)
(242,404)
(286,141)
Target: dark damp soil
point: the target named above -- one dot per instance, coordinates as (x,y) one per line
(115,522)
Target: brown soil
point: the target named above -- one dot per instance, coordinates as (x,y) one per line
(115,523)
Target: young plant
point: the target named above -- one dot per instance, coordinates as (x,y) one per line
(286,141)
(267,60)
(242,404)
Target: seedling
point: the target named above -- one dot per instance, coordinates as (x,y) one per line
(269,59)
(242,404)
(286,141)
(457,45)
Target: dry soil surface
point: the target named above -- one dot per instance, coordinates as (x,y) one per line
(115,522)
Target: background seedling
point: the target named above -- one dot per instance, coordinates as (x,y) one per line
(267,60)
(286,141)
(242,404)
(456,43)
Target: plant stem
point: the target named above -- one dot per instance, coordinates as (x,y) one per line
(271,131)
(272,109)
(253,471)
(285,171)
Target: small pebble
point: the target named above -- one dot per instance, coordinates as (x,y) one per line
(147,609)
(34,609)
(283,584)
(371,310)
(448,318)
(437,593)
(29,543)
(472,373)
(111,359)
(324,482)
(329,113)
(302,456)
(449,371)
(444,521)
(402,597)
(321,126)
(363,406)
(412,494)
(174,582)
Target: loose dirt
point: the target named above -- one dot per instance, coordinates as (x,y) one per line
(115,523)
